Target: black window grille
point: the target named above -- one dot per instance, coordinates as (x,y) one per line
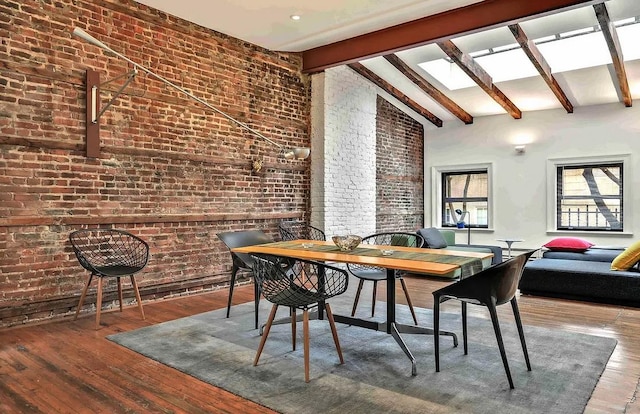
(589,197)
(465,191)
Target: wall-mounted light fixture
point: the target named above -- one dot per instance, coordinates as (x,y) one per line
(93,116)
(520,149)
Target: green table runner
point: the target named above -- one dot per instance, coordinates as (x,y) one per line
(468,265)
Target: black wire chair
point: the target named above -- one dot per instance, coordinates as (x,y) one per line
(295,230)
(494,286)
(377,274)
(298,284)
(243,261)
(109,253)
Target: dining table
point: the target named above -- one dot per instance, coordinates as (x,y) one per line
(392,258)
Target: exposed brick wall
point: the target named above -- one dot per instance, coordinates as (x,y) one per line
(399,170)
(170,170)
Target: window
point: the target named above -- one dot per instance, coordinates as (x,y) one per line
(465,191)
(589,197)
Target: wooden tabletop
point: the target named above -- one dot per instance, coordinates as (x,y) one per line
(389,262)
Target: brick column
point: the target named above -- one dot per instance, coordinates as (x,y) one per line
(343,138)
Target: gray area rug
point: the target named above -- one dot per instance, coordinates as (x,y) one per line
(376,376)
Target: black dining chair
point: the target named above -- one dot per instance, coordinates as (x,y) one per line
(298,284)
(109,253)
(377,274)
(491,287)
(295,230)
(243,261)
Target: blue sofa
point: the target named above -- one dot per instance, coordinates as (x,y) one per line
(585,276)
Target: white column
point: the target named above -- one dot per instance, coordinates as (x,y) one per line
(343,141)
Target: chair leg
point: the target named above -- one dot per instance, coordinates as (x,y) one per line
(232,283)
(355,301)
(503,354)
(82,297)
(267,328)
(120,292)
(98,303)
(294,323)
(436,330)
(373,298)
(334,331)
(305,330)
(464,327)
(137,292)
(406,294)
(516,314)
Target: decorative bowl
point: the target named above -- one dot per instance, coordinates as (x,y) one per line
(347,243)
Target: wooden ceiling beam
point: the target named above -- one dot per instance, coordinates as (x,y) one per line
(482,15)
(480,76)
(429,89)
(384,85)
(611,36)
(540,63)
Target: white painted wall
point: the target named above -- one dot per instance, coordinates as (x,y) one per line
(520,182)
(343,145)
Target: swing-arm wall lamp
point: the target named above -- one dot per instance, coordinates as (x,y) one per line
(93,101)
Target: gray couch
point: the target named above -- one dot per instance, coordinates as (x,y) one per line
(583,276)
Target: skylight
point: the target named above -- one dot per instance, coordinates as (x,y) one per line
(564,52)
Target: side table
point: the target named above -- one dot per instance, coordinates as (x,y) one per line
(509,242)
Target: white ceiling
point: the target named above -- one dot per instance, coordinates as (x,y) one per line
(267,23)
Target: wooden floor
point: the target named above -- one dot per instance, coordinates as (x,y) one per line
(68,367)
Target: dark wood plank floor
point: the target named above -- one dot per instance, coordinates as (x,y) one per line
(68,367)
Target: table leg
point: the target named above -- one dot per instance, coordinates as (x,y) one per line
(391,299)
(396,335)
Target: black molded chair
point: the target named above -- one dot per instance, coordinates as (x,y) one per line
(494,286)
(376,274)
(243,261)
(295,230)
(298,284)
(109,253)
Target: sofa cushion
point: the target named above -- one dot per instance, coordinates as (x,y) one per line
(590,255)
(433,239)
(568,244)
(626,259)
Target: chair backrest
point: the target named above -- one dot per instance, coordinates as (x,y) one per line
(99,248)
(296,282)
(294,230)
(394,239)
(387,239)
(502,279)
(243,238)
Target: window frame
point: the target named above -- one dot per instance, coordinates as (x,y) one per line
(553,201)
(437,192)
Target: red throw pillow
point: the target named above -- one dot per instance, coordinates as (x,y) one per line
(568,244)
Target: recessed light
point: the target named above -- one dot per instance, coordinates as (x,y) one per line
(295,17)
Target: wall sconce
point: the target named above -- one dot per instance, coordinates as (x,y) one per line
(93,103)
(520,149)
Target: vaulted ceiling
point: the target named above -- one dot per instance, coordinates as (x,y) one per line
(451,60)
